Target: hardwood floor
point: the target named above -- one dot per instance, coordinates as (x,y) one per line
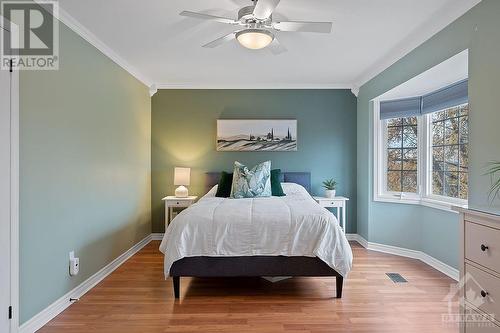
(136,298)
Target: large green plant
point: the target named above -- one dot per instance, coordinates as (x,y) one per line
(493,169)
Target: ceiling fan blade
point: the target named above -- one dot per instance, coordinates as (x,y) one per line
(322,27)
(276,47)
(264,8)
(221,40)
(202,16)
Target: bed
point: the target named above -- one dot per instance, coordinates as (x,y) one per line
(272,237)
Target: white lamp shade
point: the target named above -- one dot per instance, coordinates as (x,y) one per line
(182,176)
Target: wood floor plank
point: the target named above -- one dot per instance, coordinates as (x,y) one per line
(136,298)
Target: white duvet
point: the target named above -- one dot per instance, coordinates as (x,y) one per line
(293,225)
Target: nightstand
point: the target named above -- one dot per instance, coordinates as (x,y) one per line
(172,202)
(340,203)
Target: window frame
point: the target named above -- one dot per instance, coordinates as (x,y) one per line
(424,195)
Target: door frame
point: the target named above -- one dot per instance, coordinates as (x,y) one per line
(14,189)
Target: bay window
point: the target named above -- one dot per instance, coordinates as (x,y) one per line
(421,148)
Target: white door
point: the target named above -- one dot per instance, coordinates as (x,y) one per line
(5,198)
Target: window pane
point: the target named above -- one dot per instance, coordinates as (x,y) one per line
(451,184)
(437,183)
(438,133)
(394,181)
(453,112)
(464,158)
(410,159)
(438,159)
(410,121)
(451,131)
(464,110)
(438,116)
(464,185)
(394,122)
(402,151)
(394,157)
(451,158)
(450,154)
(410,136)
(394,137)
(464,129)
(410,181)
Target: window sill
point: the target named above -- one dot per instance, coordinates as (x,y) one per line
(426,201)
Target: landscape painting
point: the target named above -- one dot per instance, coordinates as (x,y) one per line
(257,135)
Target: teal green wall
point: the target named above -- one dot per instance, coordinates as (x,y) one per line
(84,170)
(184,132)
(432,231)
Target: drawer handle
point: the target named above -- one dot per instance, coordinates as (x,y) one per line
(484,248)
(484,293)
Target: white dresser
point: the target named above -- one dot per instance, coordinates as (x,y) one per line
(479,272)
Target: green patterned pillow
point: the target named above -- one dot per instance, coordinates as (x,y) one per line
(251,183)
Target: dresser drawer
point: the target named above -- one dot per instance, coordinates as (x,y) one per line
(482,290)
(482,328)
(478,323)
(482,245)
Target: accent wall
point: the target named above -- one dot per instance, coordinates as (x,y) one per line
(184,135)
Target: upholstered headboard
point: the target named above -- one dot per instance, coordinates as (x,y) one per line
(301,178)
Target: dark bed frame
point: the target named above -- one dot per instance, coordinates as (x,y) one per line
(254,266)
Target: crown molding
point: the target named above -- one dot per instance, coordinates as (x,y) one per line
(153,90)
(83,32)
(236,86)
(440,20)
(355,90)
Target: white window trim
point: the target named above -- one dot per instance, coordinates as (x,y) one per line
(424,196)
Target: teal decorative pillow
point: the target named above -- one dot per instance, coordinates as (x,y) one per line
(276,189)
(251,183)
(225,183)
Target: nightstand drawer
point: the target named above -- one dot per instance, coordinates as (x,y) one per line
(482,245)
(483,290)
(330,203)
(179,203)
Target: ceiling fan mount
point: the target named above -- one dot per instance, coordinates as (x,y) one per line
(258,28)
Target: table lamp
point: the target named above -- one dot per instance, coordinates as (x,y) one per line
(181,178)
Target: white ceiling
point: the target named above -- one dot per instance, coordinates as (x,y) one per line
(448,72)
(159,47)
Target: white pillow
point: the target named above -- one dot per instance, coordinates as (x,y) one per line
(293,189)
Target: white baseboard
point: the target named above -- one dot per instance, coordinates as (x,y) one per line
(400,251)
(357,238)
(157,236)
(62,303)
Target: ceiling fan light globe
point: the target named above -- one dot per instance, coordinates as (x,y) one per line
(254,39)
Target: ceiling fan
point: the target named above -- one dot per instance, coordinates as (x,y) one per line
(256,28)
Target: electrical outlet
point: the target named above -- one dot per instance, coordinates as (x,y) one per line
(74,264)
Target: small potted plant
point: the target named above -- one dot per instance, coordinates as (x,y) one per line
(330,187)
